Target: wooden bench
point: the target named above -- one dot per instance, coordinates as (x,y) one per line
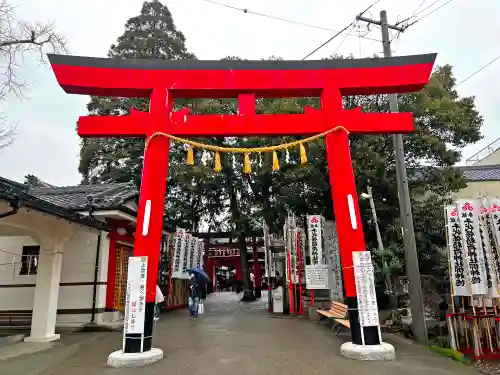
(338,313)
(15,318)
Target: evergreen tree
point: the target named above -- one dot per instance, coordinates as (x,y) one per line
(150,35)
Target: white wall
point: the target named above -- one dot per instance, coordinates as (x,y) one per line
(78,265)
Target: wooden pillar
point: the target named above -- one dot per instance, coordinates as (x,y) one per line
(110,284)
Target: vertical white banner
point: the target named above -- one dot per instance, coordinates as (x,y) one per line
(288,252)
(186,241)
(267,261)
(333,256)
(187,254)
(135,302)
(365,289)
(198,254)
(201,252)
(456,252)
(193,250)
(494,228)
(468,212)
(314,236)
(303,258)
(294,254)
(179,243)
(484,231)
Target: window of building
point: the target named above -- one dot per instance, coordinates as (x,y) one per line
(29,260)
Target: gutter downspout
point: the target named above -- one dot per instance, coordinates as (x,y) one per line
(96,272)
(15,209)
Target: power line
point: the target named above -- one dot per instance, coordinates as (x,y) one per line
(247,11)
(340,44)
(418,8)
(477,71)
(416,14)
(419,19)
(428,14)
(341,31)
(328,41)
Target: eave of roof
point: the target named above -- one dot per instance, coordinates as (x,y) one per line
(17,195)
(82,197)
(481,172)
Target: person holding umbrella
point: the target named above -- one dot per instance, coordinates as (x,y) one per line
(198,276)
(193,298)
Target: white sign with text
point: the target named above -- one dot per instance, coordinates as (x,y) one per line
(365,289)
(317,276)
(135,304)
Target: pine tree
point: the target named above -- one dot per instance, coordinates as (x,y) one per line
(150,35)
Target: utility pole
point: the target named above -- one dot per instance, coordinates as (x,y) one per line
(412,270)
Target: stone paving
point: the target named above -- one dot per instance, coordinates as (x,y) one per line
(235,338)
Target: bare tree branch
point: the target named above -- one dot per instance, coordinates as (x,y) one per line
(17,39)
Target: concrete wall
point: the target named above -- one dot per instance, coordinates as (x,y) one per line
(77,277)
(482,188)
(491,159)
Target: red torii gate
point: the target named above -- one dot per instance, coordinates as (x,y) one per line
(162,81)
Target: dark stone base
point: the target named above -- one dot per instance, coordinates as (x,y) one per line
(133,340)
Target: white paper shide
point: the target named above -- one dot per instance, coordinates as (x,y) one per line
(365,289)
(135,305)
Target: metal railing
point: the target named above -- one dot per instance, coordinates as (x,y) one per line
(483,153)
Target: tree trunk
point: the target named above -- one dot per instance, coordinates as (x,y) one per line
(248,295)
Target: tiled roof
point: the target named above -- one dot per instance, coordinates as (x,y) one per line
(79,197)
(18,195)
(482,172)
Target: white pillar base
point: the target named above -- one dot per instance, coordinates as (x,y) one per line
(120,359)
(42,339)
(380,352)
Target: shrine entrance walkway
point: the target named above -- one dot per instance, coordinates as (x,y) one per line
(237,338)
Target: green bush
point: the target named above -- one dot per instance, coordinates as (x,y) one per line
(448,352)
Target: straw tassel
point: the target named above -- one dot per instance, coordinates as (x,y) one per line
(218,165)
(247,167)
(303,155)
(276,163)
(190,155)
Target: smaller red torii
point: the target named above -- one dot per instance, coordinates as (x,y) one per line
(163,81)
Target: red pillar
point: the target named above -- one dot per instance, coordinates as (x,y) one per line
(110,284)
(151,209)
(349,225)
(237,266)
(214,274)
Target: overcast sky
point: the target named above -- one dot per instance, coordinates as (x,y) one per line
(463,33)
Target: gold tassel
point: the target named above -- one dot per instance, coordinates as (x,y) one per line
(190,155)
(276,163)
(247,167)
(303,155)
(218,165)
